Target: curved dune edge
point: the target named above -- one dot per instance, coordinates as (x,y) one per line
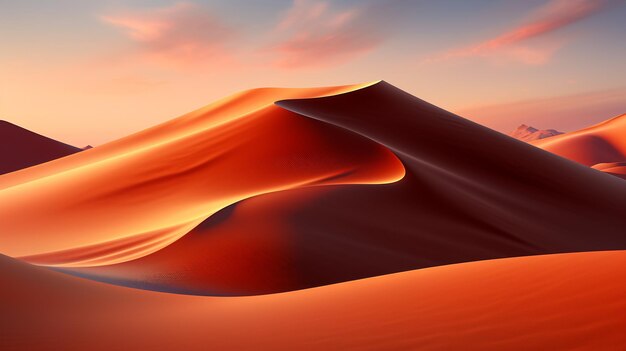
(464,197)
(557,302)
(176,174)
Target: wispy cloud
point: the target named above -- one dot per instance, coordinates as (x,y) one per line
(181,34)
(315,33)
(514,43)
(308,34)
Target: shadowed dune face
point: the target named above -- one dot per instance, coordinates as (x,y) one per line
(135,196)
(602,143)
(21,148)
(468,194)
(553,302)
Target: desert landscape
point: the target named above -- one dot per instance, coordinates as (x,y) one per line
(364,182)
(473,200)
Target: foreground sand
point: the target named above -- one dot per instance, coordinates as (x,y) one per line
(553,302)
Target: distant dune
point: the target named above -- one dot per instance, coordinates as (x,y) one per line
(554,302)
(528,133)
(593,146)
(600,143)
(281,189)
(21,148)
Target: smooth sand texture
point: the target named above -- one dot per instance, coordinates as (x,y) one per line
(601,143)
(21,148)
(469,194)
(554,302)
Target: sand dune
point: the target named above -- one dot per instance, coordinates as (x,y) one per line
(601,143)
(21,148)
(468,193)
(293,190)
(136,195)
(554,302)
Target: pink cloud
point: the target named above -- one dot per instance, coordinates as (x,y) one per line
(181,34)
(513,44)
(312,33)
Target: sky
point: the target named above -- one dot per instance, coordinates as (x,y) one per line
(88,72)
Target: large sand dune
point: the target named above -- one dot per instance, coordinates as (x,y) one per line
(554,302)
(467,194)
(136,195)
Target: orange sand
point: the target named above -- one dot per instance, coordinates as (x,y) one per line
(554,302)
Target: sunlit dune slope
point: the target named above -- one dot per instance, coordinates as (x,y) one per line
(136,195)
(554,302)
(469,193)
(21,148)
(601,143)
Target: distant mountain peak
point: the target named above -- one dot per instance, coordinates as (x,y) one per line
(527,128)
(528,133)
